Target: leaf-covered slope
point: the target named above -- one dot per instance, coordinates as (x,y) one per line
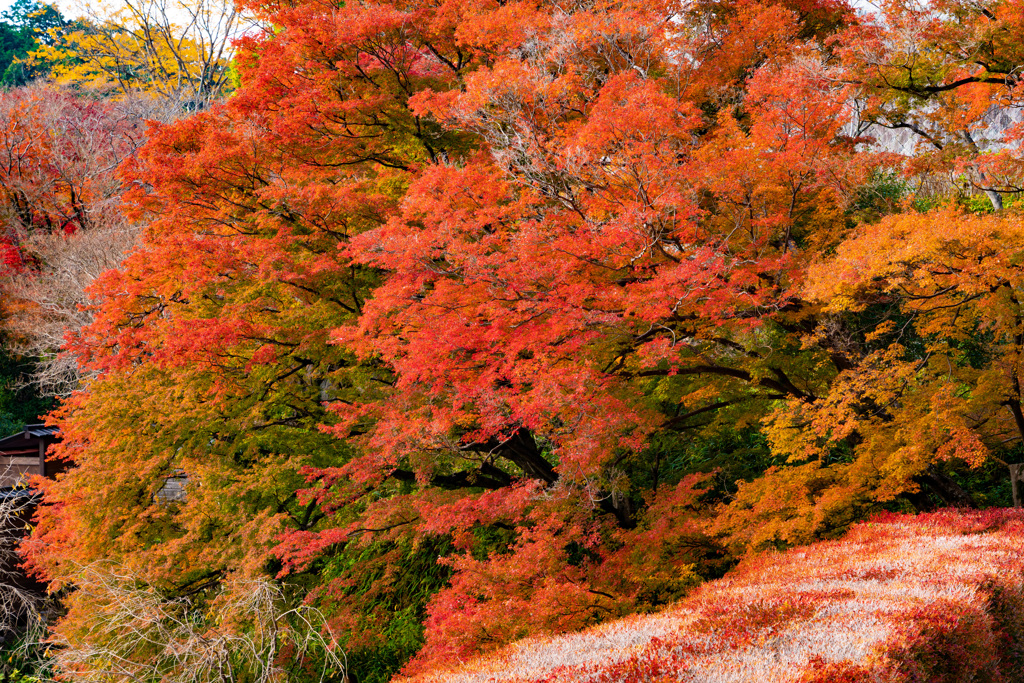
(936,597)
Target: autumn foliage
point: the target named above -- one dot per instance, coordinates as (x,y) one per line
(57,176)
(931,598)
(472,321)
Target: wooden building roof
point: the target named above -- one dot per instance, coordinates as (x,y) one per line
(24,454)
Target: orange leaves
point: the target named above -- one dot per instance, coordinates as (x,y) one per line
(956,273)
(430,279)
(739,38)
(941,71)
(786,175)
(541,584)
(949,389)
(561,573)
(927,253)
(581,229)
(211,341)
(629,150)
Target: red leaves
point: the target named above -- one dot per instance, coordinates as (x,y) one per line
(429,277)
(573,234)
(515,278)
(902,599)
(59,151)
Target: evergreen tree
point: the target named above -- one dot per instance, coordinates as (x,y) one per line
(26,26)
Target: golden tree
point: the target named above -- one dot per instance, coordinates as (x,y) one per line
(178,50)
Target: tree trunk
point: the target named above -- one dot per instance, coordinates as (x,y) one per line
(522,451)
(1015,472)
(945,488)
(994,197)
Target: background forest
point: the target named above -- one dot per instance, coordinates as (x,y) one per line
(452,322)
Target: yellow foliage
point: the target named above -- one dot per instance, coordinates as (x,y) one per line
(939,293)
(179,51)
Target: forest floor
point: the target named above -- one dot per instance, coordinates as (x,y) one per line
(934,597)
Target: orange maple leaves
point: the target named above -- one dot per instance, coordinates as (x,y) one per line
(450,271)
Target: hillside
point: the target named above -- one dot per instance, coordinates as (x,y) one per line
(396,332)
(936,597)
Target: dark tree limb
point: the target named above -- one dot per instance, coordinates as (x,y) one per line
(945,488)
(521,450)
(486,477)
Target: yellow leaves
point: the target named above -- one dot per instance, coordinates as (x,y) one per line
(955,281)
(879,427)
(786,431)
(179,51)
(800,430)
(926,253)
(791,505)
(887,327)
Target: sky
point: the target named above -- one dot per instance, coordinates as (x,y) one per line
(63,6)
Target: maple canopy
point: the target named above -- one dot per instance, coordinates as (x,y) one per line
(471,320)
